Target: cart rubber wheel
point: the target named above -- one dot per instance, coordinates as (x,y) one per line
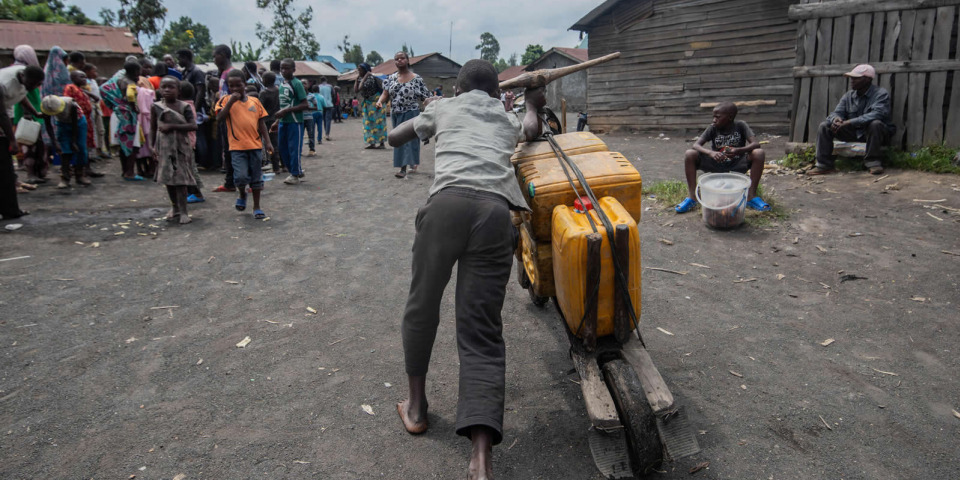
(522,275)
(537,299)
(552,121)
(525,283)
(639,422)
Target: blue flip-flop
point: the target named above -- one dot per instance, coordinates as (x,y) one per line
(135,178)
(686,205)
(195,199)
(757,203)
(259,215)
(241,204)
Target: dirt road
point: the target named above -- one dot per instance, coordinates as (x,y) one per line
(119,333)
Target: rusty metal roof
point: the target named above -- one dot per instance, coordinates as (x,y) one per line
(388,67)
(91,39)
(511,72)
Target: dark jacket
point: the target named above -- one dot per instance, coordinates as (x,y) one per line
(861,110)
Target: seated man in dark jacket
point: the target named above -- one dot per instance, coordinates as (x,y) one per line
(863,114)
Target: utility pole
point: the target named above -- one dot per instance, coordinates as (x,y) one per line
(450,50)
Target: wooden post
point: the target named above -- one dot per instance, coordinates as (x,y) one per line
(591,301)
(908,20)
(922,45)
(563,115)
(933,124)
(952,134)
(621,316)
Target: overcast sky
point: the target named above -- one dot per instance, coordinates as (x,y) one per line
(384,26)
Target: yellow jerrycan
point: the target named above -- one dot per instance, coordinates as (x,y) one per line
(571,229)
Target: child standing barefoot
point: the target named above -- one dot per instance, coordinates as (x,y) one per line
(170,121)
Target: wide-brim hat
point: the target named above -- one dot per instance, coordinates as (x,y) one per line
(52,105)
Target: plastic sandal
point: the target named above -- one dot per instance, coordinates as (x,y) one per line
(686,205)
(135,178)
(241,204)
(221,189)
(195,199)
(757,203)
(259,215)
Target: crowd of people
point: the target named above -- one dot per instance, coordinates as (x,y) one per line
(71,116)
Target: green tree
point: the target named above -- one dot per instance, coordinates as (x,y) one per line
(345,47)
(290,35)
(513,59)
(184,33)
(489,47)
(351,53)
(374,58)
(532,54)
(51,11)
(244,53)
(501,65)
(145,17)
(107,17)
(407,50)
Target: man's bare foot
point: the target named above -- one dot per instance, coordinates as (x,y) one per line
(481,464)
(414,422)
(185,219)
(172,215)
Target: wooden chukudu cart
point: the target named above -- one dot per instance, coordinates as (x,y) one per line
(580,246)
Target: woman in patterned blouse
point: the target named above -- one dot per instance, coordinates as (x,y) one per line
(405,90)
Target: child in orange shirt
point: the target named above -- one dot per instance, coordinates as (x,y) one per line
(247,129)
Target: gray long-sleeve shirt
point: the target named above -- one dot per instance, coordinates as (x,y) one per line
(861,110)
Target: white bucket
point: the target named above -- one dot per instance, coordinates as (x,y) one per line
(723,198)
(28,131)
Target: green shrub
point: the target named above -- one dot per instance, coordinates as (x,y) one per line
(933,158)
(667,192)
(802,159)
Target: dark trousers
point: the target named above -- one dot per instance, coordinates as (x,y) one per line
(311,127)
(9,205)
(472,230)
(226,159)
(877,135)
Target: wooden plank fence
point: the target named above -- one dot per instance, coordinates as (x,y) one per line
(914,46)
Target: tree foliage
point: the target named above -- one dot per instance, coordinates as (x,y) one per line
(351,53)
(408,50)
(241,52)
(108,17)
(533,53)
(51,11)
(185,33)
(512,61)
(501,65)
(290,35)
(374,58)
(145,17)
(489,47)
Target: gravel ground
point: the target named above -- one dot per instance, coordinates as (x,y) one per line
(118,351)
